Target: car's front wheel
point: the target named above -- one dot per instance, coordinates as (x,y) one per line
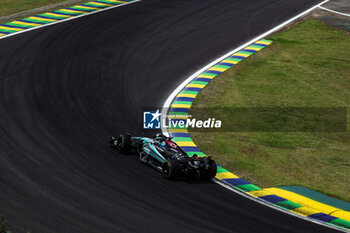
(123,143)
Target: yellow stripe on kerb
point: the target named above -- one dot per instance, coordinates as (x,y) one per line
(259,193)
(217,69)
(2,34)
(100,4)
(241,54)
(42,19)
(229,61)
(180,106)
(87,7)
(301,200)
(342,214)
(306,211)
(205,76)
(263,42)
(225,175)
(57,15)
(253,48)
(177,130)
(186,144)
(187,95)
(179,117)
(28,24)
(13,29)
(195,85)
(73,11)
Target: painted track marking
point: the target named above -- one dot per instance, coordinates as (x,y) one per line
(335,12)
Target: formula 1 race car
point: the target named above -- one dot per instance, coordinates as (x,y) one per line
(166,156)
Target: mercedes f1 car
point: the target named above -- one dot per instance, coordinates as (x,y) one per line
(166,156)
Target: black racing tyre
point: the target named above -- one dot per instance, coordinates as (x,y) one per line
(211,171)
(124,143)
(172,169)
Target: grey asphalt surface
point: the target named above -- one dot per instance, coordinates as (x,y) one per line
(65,89)
(342,6)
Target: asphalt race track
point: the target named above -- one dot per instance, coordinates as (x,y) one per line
(65,89)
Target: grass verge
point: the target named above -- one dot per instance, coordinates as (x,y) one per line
(9,7)
(306,66)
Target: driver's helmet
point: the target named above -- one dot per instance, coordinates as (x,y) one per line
(162,144)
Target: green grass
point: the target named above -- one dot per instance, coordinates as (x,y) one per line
(9,7)
(306,66)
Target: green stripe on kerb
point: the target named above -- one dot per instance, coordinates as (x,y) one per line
(178,113)
(182,102)
(81,8)
(6,30)
(340,223)
(221,170)
(221,66)
(195,152)
(199,82)
(68,13)
(210,74)
(247,187)
(257,46)
(183,139)
(289,205)
(53,17)
(19,25)
(189,92)
(245,52)
(234,59)
(109,2)
(265,40)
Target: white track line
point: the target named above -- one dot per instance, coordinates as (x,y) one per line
(167,103)
(64,20)
(335,12)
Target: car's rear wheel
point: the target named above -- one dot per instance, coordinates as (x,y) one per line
(124,143)
(211,171)
(172,169)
